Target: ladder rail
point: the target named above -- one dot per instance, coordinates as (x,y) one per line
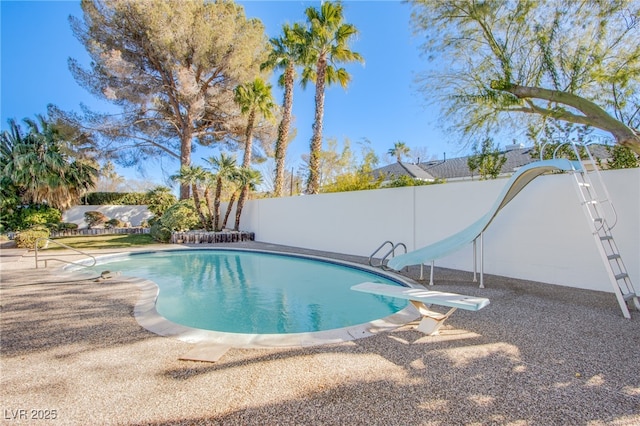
(48,240)
(594,210)
(601,184)
(376,252)
(392,251)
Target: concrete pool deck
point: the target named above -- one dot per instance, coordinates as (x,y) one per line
(538,354)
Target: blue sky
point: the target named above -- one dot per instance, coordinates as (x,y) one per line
(382,103)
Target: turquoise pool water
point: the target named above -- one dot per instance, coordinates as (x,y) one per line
(255,292)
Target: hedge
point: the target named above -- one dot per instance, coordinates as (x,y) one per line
(115,198)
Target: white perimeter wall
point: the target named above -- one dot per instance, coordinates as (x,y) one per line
(542,235)
(133,215)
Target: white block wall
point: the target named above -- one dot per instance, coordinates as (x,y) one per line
(542,235)
(133,215)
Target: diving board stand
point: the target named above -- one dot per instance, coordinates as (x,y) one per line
(422,299)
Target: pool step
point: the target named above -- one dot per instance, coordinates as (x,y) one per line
(206,352)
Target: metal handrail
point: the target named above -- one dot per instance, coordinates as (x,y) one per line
(376,251)
(48,240)
(603,186)
(392,251)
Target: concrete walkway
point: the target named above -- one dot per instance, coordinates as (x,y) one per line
(537,355)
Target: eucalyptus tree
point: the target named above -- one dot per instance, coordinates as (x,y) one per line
(41,168)
(326,45)
(170,67)
(224,169)
(285,55)
(399,150)
(499,61)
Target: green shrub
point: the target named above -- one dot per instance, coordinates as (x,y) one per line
(180,217)
(94,218)
(160,233)
(63,226)
(38,214)
(114,198)
(405,180)
(159,199)
(114,223)
(27,239)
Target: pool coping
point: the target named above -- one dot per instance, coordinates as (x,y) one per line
(148,317)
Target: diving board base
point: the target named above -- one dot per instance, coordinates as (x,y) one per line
(422,299)
(431,321)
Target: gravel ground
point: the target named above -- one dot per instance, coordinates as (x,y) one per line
(537,355)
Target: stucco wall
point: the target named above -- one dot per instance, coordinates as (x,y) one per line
(542,235)
(133,215)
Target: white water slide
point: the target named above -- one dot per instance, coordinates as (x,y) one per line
(455,242)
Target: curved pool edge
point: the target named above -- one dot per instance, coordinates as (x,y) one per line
(147,316)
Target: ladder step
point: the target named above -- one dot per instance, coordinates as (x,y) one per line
(591,202)
(622,276)
(606,237)
(629,296)
(585,184)
(613,256)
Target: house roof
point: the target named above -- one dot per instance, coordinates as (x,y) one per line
(458,168)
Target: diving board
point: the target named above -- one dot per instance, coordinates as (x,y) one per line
(455,242)
(422,299)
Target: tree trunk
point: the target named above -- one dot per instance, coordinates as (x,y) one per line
(207,199)
(216,204)
(241,200)
(229,207)
(313,184)
(185,161)
(283,130)
(593,116)
(248,139)
(196,200)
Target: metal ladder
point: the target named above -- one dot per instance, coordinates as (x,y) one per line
(594,208)
(391,252)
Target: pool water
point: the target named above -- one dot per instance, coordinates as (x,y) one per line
(254,292)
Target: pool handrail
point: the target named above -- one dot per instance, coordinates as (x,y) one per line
(49,240)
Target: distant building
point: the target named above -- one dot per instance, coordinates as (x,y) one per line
(458,169)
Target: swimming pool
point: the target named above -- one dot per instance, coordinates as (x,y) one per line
(239,291)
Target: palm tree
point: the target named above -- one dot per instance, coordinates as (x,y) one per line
(325,45)
(194,176)
(224,167)
(237,186)
(42,168)
(248,179)
(399,150)
(253,98)
(285,55)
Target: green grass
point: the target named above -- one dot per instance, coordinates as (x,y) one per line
(105,241)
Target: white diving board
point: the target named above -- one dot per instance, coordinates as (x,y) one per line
(422,299)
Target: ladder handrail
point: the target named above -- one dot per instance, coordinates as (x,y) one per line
(574,145)
(49,240)
(393,250)
(377,250)
(607,198)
